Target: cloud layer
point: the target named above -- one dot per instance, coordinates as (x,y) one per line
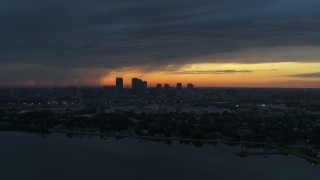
(71,40)
(307,75)
(229,71)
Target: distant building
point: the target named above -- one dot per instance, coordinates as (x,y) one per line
(166,87)
(159,87)
(169,91)
(134,86)
(119,86)
(139,87)
(190,87)
(179,89)
(144,87)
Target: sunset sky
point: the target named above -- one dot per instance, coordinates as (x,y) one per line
(224,43)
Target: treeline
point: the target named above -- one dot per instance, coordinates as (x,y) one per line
(282,129)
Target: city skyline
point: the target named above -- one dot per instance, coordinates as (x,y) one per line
(136,82)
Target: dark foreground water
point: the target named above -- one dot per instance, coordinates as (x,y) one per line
(30,156)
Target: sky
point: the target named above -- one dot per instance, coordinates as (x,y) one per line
(218,43)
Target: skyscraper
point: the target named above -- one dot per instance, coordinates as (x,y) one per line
(134,86)
(144,87)
(119,86)
(137,86)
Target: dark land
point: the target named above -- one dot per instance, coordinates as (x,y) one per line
(287,121)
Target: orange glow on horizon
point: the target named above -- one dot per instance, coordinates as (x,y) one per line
(285,74)
(220,75)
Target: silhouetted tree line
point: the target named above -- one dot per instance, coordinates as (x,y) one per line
(283,129)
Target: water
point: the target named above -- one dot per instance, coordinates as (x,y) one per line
(57,157)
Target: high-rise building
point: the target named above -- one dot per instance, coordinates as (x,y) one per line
(144,87)
(119,86)
(139,86)
(134,87)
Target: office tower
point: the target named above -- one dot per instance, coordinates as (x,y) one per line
(139,87)
(119,86)
(144,87)
(134,87)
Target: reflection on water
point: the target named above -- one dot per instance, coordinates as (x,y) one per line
(57,156)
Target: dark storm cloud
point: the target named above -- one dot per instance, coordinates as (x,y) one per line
(63,35)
